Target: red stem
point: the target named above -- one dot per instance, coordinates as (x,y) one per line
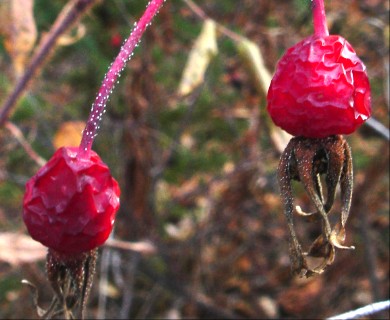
(319,18)
(112,75)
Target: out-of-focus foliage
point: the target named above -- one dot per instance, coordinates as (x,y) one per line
(69,134)
(204,49)
(198,173)
(17,25)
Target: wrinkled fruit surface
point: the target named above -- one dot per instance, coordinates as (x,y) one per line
(320,88)
(70,204)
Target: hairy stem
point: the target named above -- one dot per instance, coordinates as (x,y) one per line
(112,75)
(319,18)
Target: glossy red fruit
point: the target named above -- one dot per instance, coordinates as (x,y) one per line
(320,88)
(70,204)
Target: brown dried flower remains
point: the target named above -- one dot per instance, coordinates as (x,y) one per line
(305,160)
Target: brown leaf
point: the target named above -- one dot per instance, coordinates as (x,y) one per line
(19,30)
(16,249)
(69,134)
(296,299)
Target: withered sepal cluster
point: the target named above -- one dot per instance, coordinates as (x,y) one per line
(305,160)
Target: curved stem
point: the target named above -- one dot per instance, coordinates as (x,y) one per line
(112,75)
(319,18)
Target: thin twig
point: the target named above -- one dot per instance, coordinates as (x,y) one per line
(103,282)
(142,247)
(364,311)
(128,283)
(149,300)
(360,205)
(17,133)
(202,15)
(378,128)
(67,17)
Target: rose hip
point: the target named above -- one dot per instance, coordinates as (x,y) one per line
(70,204)
(320,87)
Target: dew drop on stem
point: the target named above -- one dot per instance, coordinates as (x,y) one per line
(125,53)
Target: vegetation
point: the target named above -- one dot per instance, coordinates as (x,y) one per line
(201,231)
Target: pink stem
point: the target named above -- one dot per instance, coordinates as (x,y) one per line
(112,75)
(319,18)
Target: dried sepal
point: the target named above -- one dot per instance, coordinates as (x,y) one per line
(42,313)
(305,160)
(71,279)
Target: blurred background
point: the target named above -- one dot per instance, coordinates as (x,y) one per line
(187,136)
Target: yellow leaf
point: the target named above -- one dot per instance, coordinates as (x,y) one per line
(204,49)
(187,140)
(19,30)
(71,38)
(251,55)
(69,134)
(253,59)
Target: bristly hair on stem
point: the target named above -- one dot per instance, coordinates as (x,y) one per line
(125,53)
(319,18)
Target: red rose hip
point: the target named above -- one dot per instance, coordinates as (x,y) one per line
(70,204)
(320,87)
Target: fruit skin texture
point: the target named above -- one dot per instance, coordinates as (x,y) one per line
(70,204)
(320,88)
